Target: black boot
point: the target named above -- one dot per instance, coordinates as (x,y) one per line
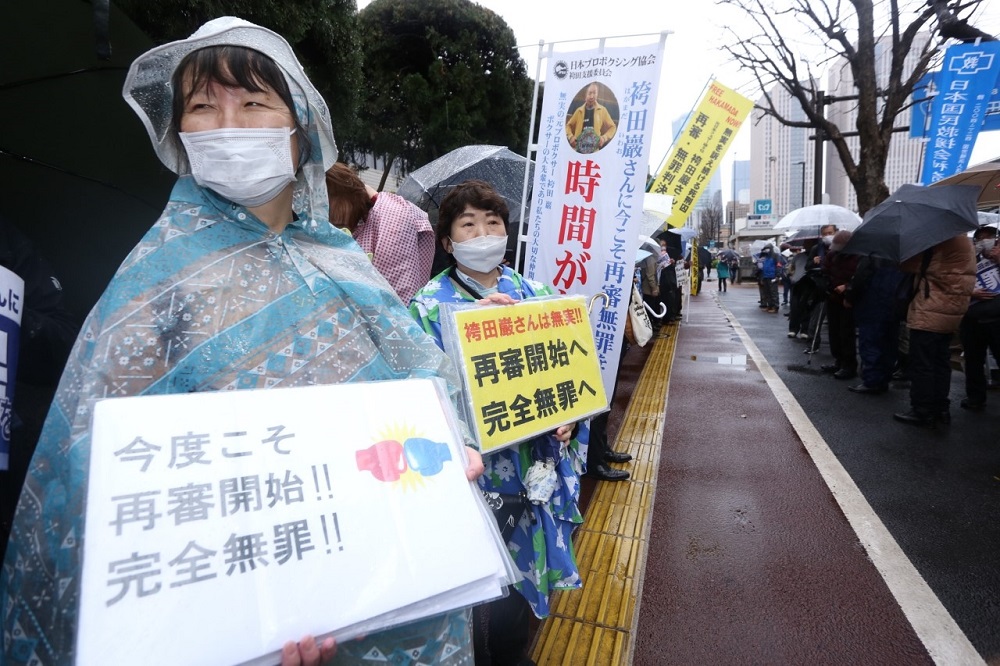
(920,419)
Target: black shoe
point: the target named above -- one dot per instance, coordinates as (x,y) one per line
(901,376)
(916,418)
(617,456)
(830,368)
(605,473)
(844,373)
(867,390)
(972,406)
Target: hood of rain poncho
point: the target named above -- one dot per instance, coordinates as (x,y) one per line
(209,299)
(148,90)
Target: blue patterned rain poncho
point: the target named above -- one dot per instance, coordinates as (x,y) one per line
(210,299)
(541,546)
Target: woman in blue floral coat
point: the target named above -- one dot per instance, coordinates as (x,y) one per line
(472,227)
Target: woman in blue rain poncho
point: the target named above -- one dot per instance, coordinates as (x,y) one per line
(241,283)
(472,228)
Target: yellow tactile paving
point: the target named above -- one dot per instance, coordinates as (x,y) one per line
(594,625)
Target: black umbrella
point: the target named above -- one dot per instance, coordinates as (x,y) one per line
(729,255)
(913,219)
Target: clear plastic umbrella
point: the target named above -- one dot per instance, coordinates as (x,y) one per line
(818,216)
(687,233)
(497,165)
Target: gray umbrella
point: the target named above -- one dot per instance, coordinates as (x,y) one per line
(913,219)
(497,165)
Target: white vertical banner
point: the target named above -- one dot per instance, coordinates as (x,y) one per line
(590,178)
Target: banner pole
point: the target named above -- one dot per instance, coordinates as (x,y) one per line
(529,150)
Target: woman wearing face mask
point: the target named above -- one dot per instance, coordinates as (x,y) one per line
(242,283)
(472,228)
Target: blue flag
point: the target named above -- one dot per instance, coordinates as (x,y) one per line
(965,87)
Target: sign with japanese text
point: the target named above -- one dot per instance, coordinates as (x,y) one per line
(695,267)
(700,147)
(243,519)
(590,181)
(529,368)
(923,99)
(11,305)
(965,84)
(760,221)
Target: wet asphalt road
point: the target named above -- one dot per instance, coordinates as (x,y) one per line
(937,492)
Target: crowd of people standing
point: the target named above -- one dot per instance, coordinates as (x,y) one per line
(885,320)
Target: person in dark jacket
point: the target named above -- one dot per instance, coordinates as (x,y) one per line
(874,294)
(670,293)
(839,269)
(980,327)
(767,278)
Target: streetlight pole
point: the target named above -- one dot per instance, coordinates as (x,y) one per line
(802,191)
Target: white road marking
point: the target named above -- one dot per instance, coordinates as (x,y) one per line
(946,643)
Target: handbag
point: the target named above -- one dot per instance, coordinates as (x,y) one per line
(507,510)
(642,329)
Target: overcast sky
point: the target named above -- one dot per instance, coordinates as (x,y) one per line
(692,53)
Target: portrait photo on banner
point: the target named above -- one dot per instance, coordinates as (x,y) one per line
(592,118)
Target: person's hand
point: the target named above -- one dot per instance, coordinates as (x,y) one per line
(476,466)
(982,294)
(994,254)
(816,260)
(496,299)
(840,288)
(563,433)
(307,652)
(572,141)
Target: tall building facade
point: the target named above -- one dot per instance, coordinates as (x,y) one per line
(905,158)
(781,157)
(738,203)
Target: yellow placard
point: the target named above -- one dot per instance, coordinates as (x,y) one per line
(699,149)
(528,368)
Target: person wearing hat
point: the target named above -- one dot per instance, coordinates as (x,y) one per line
(241,283)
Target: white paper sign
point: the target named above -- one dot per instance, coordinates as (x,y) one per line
(220,525)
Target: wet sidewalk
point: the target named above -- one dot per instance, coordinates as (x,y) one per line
(728,545)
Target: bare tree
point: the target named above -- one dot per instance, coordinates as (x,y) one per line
(850,30)
(711,219)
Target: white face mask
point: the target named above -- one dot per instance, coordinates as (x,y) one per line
(248,166)
(481,254)
(984,246)
(827,240)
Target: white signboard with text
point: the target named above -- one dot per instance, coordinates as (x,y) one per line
(220,525)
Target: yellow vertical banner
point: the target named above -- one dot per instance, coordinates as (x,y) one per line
(527,368)
(699,148)
(695,270)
